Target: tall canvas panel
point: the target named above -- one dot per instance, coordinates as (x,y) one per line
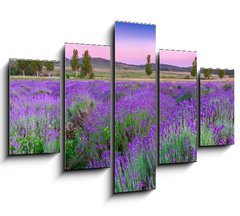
(34,107)
(216,107)
(135,107)
(178,107)
(87,106)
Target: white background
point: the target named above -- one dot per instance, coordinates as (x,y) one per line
(38,29)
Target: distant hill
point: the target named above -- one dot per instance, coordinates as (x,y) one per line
(166,67)
(96,62)
(124,66)
(229,72)
(104,63)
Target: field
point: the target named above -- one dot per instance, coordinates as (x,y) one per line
(217,113)
(103,74)
(135,136)
(99,73)
(34,108)
(178,122)
(175,75)
(87,113)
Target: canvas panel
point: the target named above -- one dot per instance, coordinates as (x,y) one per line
(87,106)
(135,107)
(178,107)
(34,107)
(216,107)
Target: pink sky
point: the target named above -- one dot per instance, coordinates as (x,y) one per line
(134,51)
(133,42)
(177,58)
(94,50)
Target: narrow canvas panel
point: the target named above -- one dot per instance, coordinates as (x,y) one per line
(216,107)
(178,107)
(87,106)
(34,107)
(135,103)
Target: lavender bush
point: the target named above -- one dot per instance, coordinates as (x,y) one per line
(217,113)
(34,117)
(178,122)
(87,126)
(135,131)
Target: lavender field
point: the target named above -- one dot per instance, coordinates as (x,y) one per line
(34,116)
(217,113)
(87,141)
(135,136)
(178,122)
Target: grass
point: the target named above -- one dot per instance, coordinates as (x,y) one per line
(175,75)
(33,78)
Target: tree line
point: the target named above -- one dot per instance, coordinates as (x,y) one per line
(31,67)
(207,72)
(85,68)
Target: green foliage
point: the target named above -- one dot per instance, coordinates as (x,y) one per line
(91,76)
(80,76)
(207,138)
(86,69)
(34,67)
(49,65)
(74,62)
(30,144)
(210,73)
(175,147)
(227,86)
(207,73)
(184,97)
(22,65)
(78,154)
(133,123)
(206,91)
(79,108)
(148,68)
(221,73)
(39,67)
(29,67)
(194,68)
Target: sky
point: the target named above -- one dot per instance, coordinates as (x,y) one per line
(133,42)
(95,51)
(177,58)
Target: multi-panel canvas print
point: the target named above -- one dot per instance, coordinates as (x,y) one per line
(178,107)
(216,107)
(135,107)
(87,106)
(34,107)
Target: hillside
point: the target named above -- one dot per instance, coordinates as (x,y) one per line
(104,63)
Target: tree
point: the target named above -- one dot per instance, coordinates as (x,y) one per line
(32,68)
(49,65)
(22,65)
(39,66)
(221,73)
(148,68)
(206,73)
(210,73)
(74,62)
(194,68)
(86,69)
